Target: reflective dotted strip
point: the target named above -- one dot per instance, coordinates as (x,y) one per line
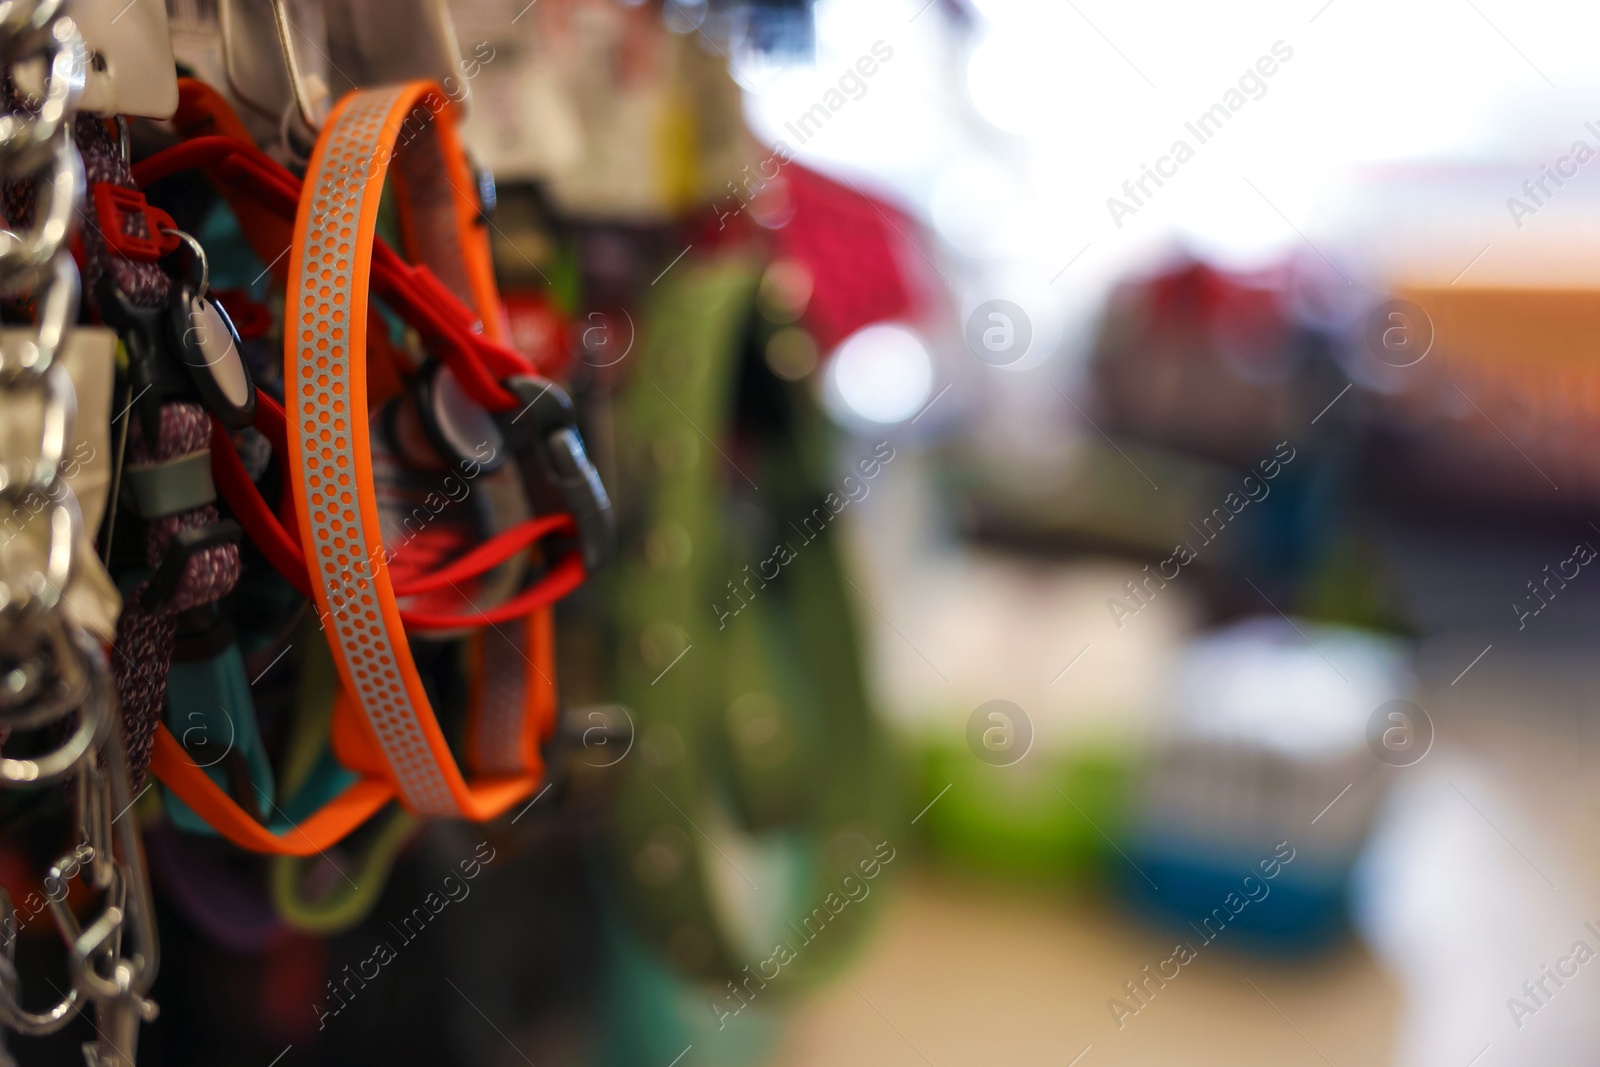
(335,480)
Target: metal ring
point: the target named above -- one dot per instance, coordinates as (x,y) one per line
(55,302)
(199,253)
(25,259)
(26,139)
(61,761)
(21,683)
(15,1016)
(20,21)
(55,685)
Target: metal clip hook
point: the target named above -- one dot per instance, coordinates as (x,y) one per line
(297,84)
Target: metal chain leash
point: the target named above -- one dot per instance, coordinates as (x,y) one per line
(54,680)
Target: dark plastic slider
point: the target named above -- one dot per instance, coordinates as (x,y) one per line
(156,490)
(542,407)
(459,429)
(204,633)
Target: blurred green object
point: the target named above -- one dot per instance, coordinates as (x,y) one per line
(761,778)
(1039,819)
(1349,585)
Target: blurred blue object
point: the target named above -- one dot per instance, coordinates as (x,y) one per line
(1248,820)
(1304,907)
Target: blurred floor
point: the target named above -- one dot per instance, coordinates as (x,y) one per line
(1482,872)
(1481,875)
(967,973)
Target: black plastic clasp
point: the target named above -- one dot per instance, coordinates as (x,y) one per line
(556,471)
(154,373)
(184,348)
(580,754)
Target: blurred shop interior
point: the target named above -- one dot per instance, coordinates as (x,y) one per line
(1102,548)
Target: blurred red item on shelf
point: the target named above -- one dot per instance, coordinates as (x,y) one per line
(855,246)
(537,330)
(290,975)
(1199,358)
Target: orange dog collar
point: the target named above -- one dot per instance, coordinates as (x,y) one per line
(383,710)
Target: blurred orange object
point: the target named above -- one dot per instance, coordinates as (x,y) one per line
(1505,403)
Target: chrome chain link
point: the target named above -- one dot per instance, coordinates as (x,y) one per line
(54,678)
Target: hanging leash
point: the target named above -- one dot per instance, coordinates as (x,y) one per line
(754,729)
(189,548)
(384,728)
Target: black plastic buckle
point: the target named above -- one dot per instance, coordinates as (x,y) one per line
(174,352)
(559,476)
(580,754)
(183,547)
(542,431)
(154,373)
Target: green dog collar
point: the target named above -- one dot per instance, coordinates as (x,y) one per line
(752,810)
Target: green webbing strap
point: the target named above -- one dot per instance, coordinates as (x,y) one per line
(351,898)
(312,775)
(306,756)
(157,490)
(759,782)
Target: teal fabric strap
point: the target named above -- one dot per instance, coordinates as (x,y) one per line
(210,712)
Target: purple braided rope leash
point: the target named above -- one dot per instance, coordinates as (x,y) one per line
(145,283)
(144,639)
